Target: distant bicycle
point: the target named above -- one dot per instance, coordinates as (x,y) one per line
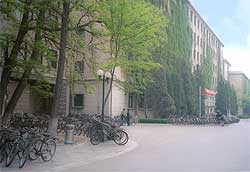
(133,120)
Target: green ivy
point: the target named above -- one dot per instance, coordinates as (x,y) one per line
(174,84)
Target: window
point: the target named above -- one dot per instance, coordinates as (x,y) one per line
(194,39)
(78,100)
(198,40)
(194,20)
(141,101)
(197,57)
(79,66)
(191,16)
(130,100)
(81,32)
(52,59)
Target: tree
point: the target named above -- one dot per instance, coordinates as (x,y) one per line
(60,71)
(246,105)
(25,41)
(9,58)
(226,99)
(133,29)
(177,82)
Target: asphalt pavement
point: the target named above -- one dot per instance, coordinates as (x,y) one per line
(182,148)
(158,148)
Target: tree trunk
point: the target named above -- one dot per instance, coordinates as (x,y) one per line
(60,71)
(136,104)
(10,60)
(145,104)
(24,80)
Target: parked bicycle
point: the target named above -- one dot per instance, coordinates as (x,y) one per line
(25,144)
(118,135)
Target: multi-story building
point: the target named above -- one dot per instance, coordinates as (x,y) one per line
(226,66)
(79,99)
(207,49)
(241,84)
(81,93)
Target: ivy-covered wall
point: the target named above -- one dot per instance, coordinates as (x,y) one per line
(175,85)
(178,86)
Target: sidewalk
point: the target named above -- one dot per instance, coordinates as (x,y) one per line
(68,156)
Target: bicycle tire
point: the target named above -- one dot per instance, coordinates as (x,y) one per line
(2,149)
(79,131)
(121,137)
(48,150)
(2,153)
(24,157)
(95,137)
(35,149)
(11,155)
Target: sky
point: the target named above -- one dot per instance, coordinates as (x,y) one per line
(230,20)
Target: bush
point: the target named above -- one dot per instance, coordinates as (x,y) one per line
(153,121)
(244,117)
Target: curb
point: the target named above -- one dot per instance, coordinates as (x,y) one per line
(82,162)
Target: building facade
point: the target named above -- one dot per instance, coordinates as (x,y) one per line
(226,66)
(207,49)
(241,84)
(85,95)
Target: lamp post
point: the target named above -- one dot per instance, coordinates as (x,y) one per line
(104,76)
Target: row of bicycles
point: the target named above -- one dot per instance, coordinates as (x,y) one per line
(35,122)
(20,145)
(82,123)
(203,120)
(93,127)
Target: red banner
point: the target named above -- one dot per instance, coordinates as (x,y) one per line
(209,92)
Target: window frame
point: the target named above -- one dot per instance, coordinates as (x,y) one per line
(74,101)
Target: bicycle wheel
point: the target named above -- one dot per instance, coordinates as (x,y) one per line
(2,153)
(96,137)
(121,137)
(24,156)
(48,150)
(11,155)
(35,149)
(2,149)
(80,130)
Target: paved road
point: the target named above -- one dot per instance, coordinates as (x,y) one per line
(182,148)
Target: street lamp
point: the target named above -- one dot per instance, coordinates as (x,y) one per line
(104,76)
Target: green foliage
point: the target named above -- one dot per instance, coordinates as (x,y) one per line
(42,88)
(226,98)
(246,105)
(207,73)
(153,121)
(134,30)
(174,89)
(244,117)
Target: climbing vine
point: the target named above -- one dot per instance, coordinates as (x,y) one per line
(207,69)
(176,80)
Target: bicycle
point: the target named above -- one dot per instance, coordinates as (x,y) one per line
(118,135)
(25,144)
(133,120)
(45,147)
